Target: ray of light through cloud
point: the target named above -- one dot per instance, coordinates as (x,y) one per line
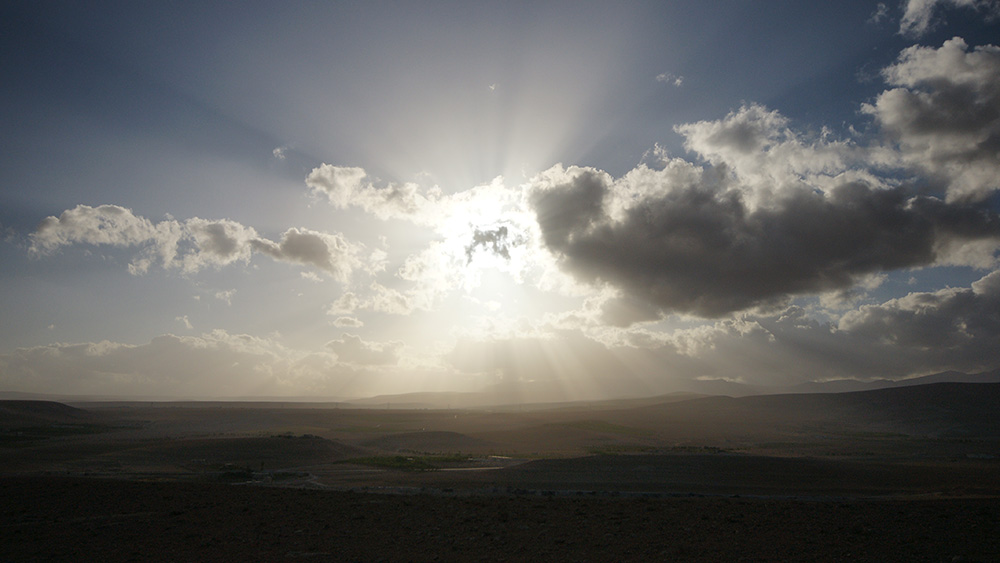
(543,202)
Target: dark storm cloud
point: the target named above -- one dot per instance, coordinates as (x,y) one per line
(918,334)
(701,248)
(777,213)
(949,322)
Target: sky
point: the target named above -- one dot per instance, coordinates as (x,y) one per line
(539,200)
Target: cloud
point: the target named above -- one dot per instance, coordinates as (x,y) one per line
(337,183)
(226,296)
(331,253)
(669,78)
(110,225)
(949,327)
(881,13)
(497,240)
(344,187)
(191,245)
(922,333)
(487,221)
(777,213)
(214,364)
(380,299)
(758,147)
(105,224)
(771,212)
(945,115)
(394,302)
(351,322)
(217,243)
(347,303)
(689,242)
(353,350)
(918,15)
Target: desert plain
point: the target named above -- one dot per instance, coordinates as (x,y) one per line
(902,474)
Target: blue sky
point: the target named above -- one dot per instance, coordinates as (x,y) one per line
(557,200)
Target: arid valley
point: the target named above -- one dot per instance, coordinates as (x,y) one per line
(892,474)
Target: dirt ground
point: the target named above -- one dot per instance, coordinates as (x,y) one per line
(46,518)
(770,479)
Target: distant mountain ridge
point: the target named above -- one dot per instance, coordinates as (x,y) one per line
(951,409)
(513,396)
(848,385)
(736,389)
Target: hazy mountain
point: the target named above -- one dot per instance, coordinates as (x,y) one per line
(931,409)
(847,385)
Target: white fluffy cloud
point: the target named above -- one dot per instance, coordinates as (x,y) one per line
(944,114)
(216,243)
(193,244)
(110,225)
(344,187)
(105,224)
(918,15)
(758,148)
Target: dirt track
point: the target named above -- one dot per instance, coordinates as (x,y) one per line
(73,519)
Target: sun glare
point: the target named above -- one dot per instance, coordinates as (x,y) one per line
(486,229)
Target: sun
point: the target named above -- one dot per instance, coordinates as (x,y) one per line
(486,229)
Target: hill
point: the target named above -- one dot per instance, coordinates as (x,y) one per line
(25,413)
(931,410)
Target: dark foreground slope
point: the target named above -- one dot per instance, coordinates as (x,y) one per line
(65,519)
(30,413)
